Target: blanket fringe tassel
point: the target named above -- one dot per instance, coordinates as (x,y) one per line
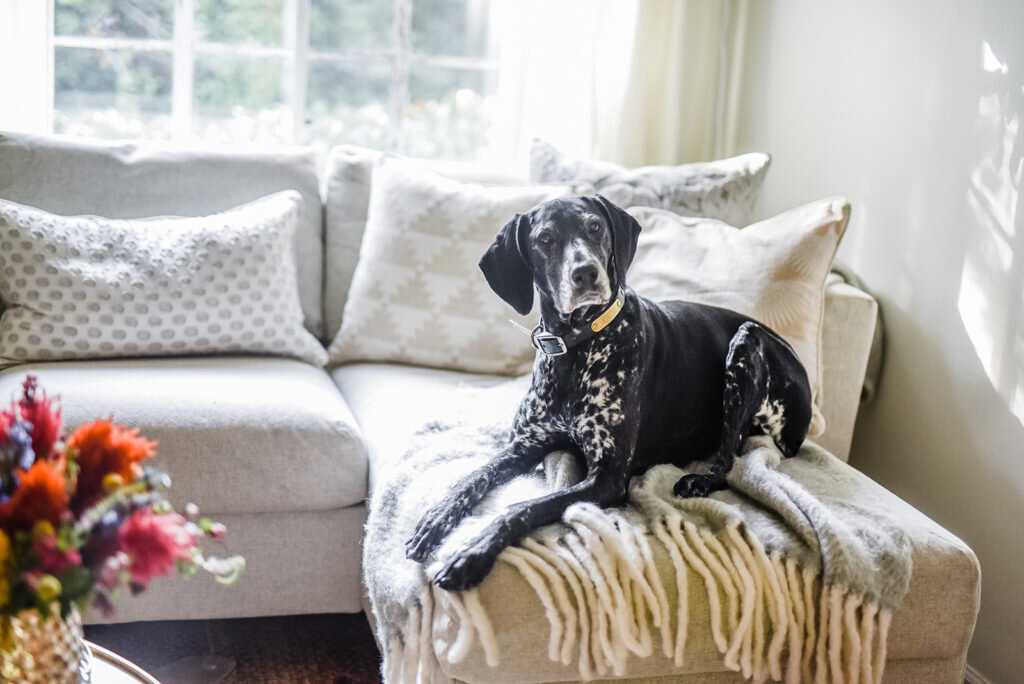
(601,594)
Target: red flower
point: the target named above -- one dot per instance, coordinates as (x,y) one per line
(46,421)
(154,541)
(40,496)
(51,559)
(104,448)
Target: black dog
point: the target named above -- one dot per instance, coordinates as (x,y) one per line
(625,382)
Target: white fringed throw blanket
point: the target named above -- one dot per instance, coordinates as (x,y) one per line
(800,588)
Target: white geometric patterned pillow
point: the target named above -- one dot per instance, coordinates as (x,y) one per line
(773,271)
(417,295)
(724,189)
(81,287)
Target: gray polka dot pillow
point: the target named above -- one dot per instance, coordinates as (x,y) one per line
(724,189)
(81,287)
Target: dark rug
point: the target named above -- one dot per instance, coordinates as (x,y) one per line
(301,649)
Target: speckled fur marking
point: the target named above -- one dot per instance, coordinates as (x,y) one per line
(771,418)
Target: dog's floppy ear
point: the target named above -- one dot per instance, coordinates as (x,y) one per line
(506,268)
(625,233)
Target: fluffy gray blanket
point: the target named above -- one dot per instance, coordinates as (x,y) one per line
(800,587)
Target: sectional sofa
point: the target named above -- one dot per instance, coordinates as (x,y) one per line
(283,451)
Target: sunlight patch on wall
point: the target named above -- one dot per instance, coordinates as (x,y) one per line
(991,299)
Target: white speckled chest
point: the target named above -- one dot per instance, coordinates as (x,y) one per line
(581,398)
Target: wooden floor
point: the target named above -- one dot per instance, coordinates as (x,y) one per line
(320,649)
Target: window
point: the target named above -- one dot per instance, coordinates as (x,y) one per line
(417,77)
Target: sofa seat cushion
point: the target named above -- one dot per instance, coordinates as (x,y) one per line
(935,621)
(236,434)
(391,401)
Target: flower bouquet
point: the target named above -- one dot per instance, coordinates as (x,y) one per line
(81,518)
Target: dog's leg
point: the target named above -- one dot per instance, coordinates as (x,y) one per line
(468,567)
(443,516)
(746,387)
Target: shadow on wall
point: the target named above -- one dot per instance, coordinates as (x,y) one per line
(991,299)
(948,436)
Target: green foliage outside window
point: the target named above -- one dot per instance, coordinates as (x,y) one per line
(122,92)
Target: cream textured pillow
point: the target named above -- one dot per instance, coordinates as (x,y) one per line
(417,295)
(773,271)
(79,287)
(724,189)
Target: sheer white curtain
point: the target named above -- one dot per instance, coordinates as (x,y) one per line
(631,81)
(26,95)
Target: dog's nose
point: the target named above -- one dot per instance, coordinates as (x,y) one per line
(584,276)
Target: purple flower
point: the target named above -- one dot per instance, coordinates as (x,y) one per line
(19,444)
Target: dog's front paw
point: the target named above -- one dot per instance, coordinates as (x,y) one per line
(432,528)
(468,568)
(690,486)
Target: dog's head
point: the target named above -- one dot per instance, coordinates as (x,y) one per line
(576,250)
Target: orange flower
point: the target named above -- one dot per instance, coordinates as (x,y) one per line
(40,496)
(104,448)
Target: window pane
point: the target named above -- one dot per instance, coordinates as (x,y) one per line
(112,93)
(348,103)
(258,22)
(449,114)
(239,99)
(451,27)
(114,18)
(351,24)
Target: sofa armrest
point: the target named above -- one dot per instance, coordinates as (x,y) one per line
(848,333)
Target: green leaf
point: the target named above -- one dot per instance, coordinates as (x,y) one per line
(76,582)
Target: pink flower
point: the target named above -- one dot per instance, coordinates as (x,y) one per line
(51,559)
(154,541)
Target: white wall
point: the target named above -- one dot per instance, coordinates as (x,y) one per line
(913,110)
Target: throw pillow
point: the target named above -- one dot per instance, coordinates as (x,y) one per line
(79,287)
(773,271)
(725,189)
(417,295)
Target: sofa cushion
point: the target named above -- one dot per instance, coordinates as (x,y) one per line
(935,620)
(79,287)
(133,180)
(390,401)
(236,434)
(724,189)
(773,271)
(347,182)
(417,295)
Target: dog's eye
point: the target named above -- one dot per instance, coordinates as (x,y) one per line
(545,240)
(594,228)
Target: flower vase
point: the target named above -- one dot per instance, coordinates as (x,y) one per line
(46,650)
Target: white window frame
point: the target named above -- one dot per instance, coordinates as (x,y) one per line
(296,52)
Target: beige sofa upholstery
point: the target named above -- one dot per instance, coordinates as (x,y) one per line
(284,453)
